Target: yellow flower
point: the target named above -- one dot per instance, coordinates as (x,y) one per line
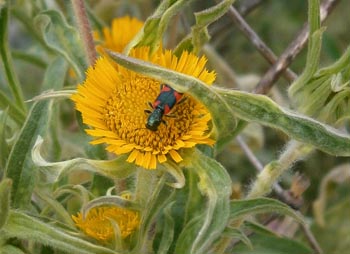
(113,102)
(98,225)
(120,34)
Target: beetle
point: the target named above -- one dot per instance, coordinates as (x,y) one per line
(163,104)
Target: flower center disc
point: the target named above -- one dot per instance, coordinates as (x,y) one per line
(125,115)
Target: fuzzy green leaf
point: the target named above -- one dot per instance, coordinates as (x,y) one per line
(112,201)
(242,208)
(156,24)
(326,95)
(264,244)
(55,206)
(333,236)
(156,201)
(200,34)
(337,176)
(167,229)
(314,49)
(312,62)
(4,146)
(314,15)
(10,249)
(215,185)
(20,167)
(247,106)
(235,233)
(338,66)
(55,75)
(31,58)
(5,193)
(62,38)
(187,84)
(117,168)
(261,109)
(24,227)
(54,79)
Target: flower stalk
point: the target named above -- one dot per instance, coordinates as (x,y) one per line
(7,60)
(85,30)
(272,171)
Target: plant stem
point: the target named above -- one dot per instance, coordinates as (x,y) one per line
(85,30)
(146,181)
(7,61)
(272,171)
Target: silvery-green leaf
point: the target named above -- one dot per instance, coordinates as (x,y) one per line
(199,32)
(5,193)
(7,63)
(242,208)
(333,236)
(247,106)
(261,109)
(24,227)
(20,167)
(62,38)
(215,185)
(167,229)
(117,168)
(265,244)
(156,24)
(338,175)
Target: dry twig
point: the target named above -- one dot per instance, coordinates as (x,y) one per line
(294,48)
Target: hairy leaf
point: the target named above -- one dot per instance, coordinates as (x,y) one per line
(24,227)
(333,236)
(261,109)
(5,193)
(247,106)
(156,24)
(62,38)
(215,185)
(6,60)
(243,208)
(20,167)
(114,169)
(263,244)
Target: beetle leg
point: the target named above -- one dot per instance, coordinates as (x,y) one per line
(184,98)
(150,104)
(171,115)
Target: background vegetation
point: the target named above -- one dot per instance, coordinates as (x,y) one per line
(316,186)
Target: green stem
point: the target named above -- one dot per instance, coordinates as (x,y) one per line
(272,171)
(145,185)
(7,60)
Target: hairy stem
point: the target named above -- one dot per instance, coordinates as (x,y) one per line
(85,30)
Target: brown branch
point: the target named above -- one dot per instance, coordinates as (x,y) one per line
(311,239)
(264,50)
(294,48)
